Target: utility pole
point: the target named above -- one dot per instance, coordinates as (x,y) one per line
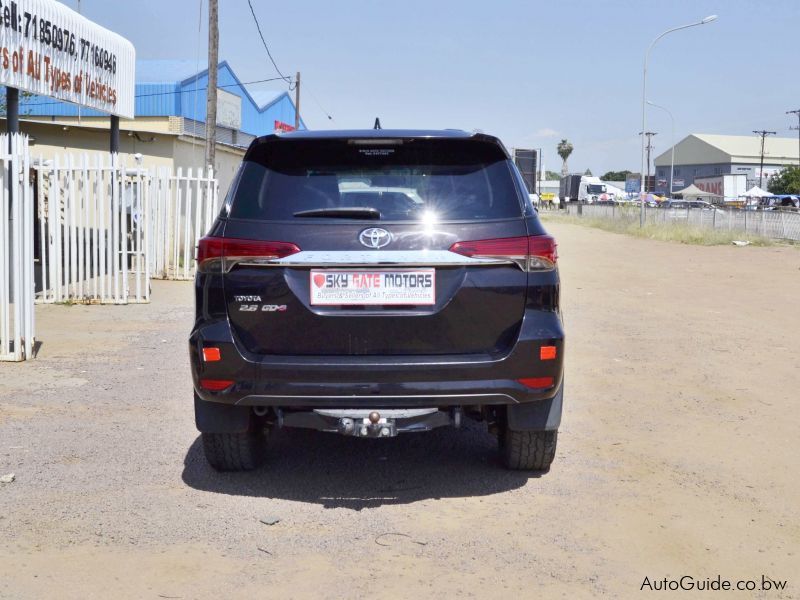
(297,101)
(763,133)
(211,92)
(796,112)
(648,148)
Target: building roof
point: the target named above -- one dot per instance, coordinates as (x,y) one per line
(177,88)
(707,148)
(186,72)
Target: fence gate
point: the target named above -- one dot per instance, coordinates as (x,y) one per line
(184,206)
(16,250)
(93,230)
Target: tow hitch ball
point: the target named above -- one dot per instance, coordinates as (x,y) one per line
(372,426)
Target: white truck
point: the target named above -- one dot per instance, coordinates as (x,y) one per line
(726,188)
(586,189)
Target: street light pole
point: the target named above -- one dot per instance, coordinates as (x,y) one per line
(797,114)
(642,192)
(672,159)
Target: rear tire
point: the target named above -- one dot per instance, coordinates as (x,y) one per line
(528,450)
(234,451)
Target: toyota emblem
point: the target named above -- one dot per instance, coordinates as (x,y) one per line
(375,237)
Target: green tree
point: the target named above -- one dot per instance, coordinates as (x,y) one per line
(616,175)
(564,149)
(552,176)
(787,181)
(588,172)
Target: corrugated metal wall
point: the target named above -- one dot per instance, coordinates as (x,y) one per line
(182,99)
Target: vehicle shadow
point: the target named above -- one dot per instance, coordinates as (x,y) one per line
(345,472)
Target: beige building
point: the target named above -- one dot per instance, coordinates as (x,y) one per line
(712,155)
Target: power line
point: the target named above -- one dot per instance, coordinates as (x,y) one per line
(317,102)
(266,47)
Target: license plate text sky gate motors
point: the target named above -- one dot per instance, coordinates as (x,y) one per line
(372,283)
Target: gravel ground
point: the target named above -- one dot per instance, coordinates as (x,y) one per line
(677,456)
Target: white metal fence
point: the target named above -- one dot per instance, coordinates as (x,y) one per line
(184,207)
(16,250)
(98,229)
(775,224)
(106,229)
(93,230)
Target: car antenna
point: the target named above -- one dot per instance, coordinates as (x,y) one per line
(377,123)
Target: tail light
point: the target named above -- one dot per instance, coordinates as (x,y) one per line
(537,383)
(216,254)
(531,253)
(216,385)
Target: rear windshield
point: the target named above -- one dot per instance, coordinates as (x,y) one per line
(381,179)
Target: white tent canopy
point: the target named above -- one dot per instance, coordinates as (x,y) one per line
(756,192)
(695,192)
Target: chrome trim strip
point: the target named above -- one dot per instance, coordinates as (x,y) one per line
(373,258)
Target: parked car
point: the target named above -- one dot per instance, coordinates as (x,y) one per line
(317,309)
(701,204)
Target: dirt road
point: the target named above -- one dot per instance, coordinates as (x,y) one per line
(678,456)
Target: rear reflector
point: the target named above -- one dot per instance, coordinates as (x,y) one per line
(536,382)
(531,253)
(211,354)
(547,353)
(215,253)
(215,385)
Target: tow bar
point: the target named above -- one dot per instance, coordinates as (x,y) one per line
(371,423)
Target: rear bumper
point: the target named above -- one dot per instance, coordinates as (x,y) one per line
(380,381)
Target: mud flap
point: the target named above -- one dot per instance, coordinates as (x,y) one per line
(544,415)
(215,417)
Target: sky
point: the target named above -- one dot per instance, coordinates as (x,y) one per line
(530,72)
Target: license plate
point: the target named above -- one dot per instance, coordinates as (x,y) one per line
(369,287)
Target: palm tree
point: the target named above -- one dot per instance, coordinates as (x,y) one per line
(564,149)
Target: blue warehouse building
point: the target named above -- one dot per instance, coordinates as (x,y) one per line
(169,124)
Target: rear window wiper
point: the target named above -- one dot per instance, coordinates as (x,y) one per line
(343,212)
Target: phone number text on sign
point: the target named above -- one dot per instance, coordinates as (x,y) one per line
(49,49)
(340,287)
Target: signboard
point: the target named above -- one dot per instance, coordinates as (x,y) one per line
(50,50)
(281,126)
(632,184)
(229,110)
(678,183)
(526,161)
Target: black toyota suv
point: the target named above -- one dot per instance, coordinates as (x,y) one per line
(377,282)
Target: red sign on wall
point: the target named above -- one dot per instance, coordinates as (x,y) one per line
(281,126)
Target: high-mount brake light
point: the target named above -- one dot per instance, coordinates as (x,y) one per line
(531,253)
(221,254)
